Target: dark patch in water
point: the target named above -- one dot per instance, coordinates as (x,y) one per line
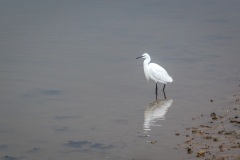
(77,144)
(101,146)
(3,146)
(87,144)
(49,92)
(11,158)
(42,92)
(34,149)
(63,117)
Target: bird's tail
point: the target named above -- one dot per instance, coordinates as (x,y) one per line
(170,79)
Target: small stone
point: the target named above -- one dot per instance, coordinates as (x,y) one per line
(220,132)
(201,153)
(177,134)
(207,137)
(214,116)
(153,142)
(188,140)
(221,148)
(189,150)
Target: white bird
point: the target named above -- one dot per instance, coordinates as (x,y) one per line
(155,72)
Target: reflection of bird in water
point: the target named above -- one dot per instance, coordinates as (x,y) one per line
(155,111)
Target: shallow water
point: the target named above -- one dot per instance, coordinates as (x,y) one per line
(71,87)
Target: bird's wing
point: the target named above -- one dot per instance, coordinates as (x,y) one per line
(159,73)
(157,69)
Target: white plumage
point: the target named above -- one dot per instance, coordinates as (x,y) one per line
(155,72)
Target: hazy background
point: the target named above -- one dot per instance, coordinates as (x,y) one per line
(71,88)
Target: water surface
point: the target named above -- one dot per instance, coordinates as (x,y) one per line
(71,87)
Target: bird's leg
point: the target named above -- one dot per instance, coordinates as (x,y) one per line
(164,91)
(156,91)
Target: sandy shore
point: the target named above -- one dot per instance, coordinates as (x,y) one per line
(217,135)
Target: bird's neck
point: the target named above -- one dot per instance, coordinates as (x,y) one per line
(147,61)
(146,68)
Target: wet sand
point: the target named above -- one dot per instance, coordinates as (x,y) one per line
(216,135)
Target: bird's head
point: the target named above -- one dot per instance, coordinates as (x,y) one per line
(145,55)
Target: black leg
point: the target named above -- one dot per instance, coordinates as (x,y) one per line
(156,91)
(164,91)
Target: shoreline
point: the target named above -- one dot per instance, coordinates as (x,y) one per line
(216,135)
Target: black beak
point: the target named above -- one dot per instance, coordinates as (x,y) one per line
(139,57)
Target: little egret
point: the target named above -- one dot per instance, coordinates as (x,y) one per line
(155,73)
